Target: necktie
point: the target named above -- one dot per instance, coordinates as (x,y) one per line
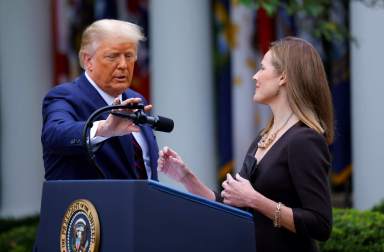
(138,159)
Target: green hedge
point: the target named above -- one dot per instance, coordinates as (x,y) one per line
(18,239)
(379,207)
(9,223)
(18,235)
(353,230)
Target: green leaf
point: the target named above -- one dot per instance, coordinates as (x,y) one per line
(292,7)
(270,6)
(252,4)
(314,10)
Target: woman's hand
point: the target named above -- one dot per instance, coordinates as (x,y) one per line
(171,164)
(117,126)
(238,192)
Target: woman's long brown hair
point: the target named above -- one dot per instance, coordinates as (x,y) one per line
(308,91)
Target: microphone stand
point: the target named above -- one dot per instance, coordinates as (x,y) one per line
(88,125)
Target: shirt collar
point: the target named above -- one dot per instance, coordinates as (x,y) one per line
(106,97)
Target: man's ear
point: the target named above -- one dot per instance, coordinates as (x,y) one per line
(87,61)
(283,79)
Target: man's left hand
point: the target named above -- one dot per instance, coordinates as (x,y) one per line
(117,126)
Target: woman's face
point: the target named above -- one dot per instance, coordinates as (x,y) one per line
(268,81)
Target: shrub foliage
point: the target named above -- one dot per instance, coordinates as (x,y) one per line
(18,239)
(379,207)
(355,230)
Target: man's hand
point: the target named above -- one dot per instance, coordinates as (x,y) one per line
(117,126)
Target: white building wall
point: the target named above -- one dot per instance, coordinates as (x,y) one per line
(25,76)
(181,81)
(367,104)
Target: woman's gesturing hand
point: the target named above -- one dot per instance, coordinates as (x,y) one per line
(171,164)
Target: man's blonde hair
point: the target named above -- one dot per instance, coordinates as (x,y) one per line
(108,28)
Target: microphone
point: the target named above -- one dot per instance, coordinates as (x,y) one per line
(158,123)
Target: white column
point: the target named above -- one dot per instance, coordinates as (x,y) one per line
(248,117)
(25,75)
(181,81)
(367,104)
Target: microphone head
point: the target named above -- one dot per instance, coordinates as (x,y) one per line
(163,124)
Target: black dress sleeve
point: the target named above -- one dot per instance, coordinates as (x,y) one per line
(309,162)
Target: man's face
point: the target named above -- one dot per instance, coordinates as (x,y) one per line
(111,66)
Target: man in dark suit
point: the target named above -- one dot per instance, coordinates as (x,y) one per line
(125,151)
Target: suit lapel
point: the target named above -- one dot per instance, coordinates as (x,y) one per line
(96,101)
(125,142)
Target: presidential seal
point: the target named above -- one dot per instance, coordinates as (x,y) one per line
(80,229)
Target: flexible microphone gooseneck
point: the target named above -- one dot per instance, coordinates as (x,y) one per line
(158,123)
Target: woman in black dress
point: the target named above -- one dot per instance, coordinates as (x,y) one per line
(284,178)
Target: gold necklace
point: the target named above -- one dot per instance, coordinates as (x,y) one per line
(267,139)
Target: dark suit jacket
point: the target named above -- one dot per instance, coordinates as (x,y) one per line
(65,110)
